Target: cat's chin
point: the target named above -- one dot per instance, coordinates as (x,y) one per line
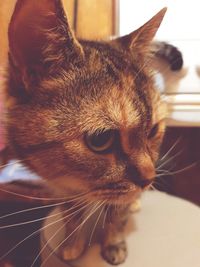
(116,197)
(121,199)
(119,193)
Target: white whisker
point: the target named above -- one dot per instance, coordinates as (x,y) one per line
(170,150)
(60,244)
(29,222)
(34,233)
(43,199)
(181,170)
(170,159)
(162,171)
(59,229)
(97,220)
(32,209)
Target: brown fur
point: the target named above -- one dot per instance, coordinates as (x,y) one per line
(60,89)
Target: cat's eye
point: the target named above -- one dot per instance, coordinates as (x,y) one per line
(101,142)
(154,131)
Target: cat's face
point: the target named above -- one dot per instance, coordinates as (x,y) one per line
(85,116)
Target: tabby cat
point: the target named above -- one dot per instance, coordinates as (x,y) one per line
(85,116)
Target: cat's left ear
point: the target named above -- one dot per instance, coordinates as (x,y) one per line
(141,38)
(40,38)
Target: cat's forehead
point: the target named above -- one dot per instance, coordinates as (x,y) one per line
(121,110)
(113,110)
(108,92)
(123,92)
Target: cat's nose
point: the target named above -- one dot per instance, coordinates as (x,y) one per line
(142,182)
(139,178)
(141,170)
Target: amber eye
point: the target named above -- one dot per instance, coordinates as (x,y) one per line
(102,142)
(154,131)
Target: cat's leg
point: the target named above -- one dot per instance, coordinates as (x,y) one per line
(75,240)
(114,249)
(72,249)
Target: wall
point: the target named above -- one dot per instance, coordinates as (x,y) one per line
(92,19)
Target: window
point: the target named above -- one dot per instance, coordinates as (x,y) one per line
(180,27)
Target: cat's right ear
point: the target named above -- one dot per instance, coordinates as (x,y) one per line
(40,39)
(140,39)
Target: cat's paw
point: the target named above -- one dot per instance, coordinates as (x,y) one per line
(115,254)
(73,252)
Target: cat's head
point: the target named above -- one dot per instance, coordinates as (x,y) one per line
(83,115)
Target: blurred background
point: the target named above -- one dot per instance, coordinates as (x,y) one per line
(104,19)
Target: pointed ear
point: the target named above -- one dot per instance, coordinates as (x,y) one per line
(142,37)
(40,38)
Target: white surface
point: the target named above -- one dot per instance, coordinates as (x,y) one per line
(167,235)
(14,170)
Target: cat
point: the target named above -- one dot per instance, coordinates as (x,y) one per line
(85,116)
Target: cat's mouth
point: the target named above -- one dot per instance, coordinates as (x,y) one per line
(122,187)
(118,192)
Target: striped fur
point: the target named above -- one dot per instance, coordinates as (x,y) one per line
(60,89)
